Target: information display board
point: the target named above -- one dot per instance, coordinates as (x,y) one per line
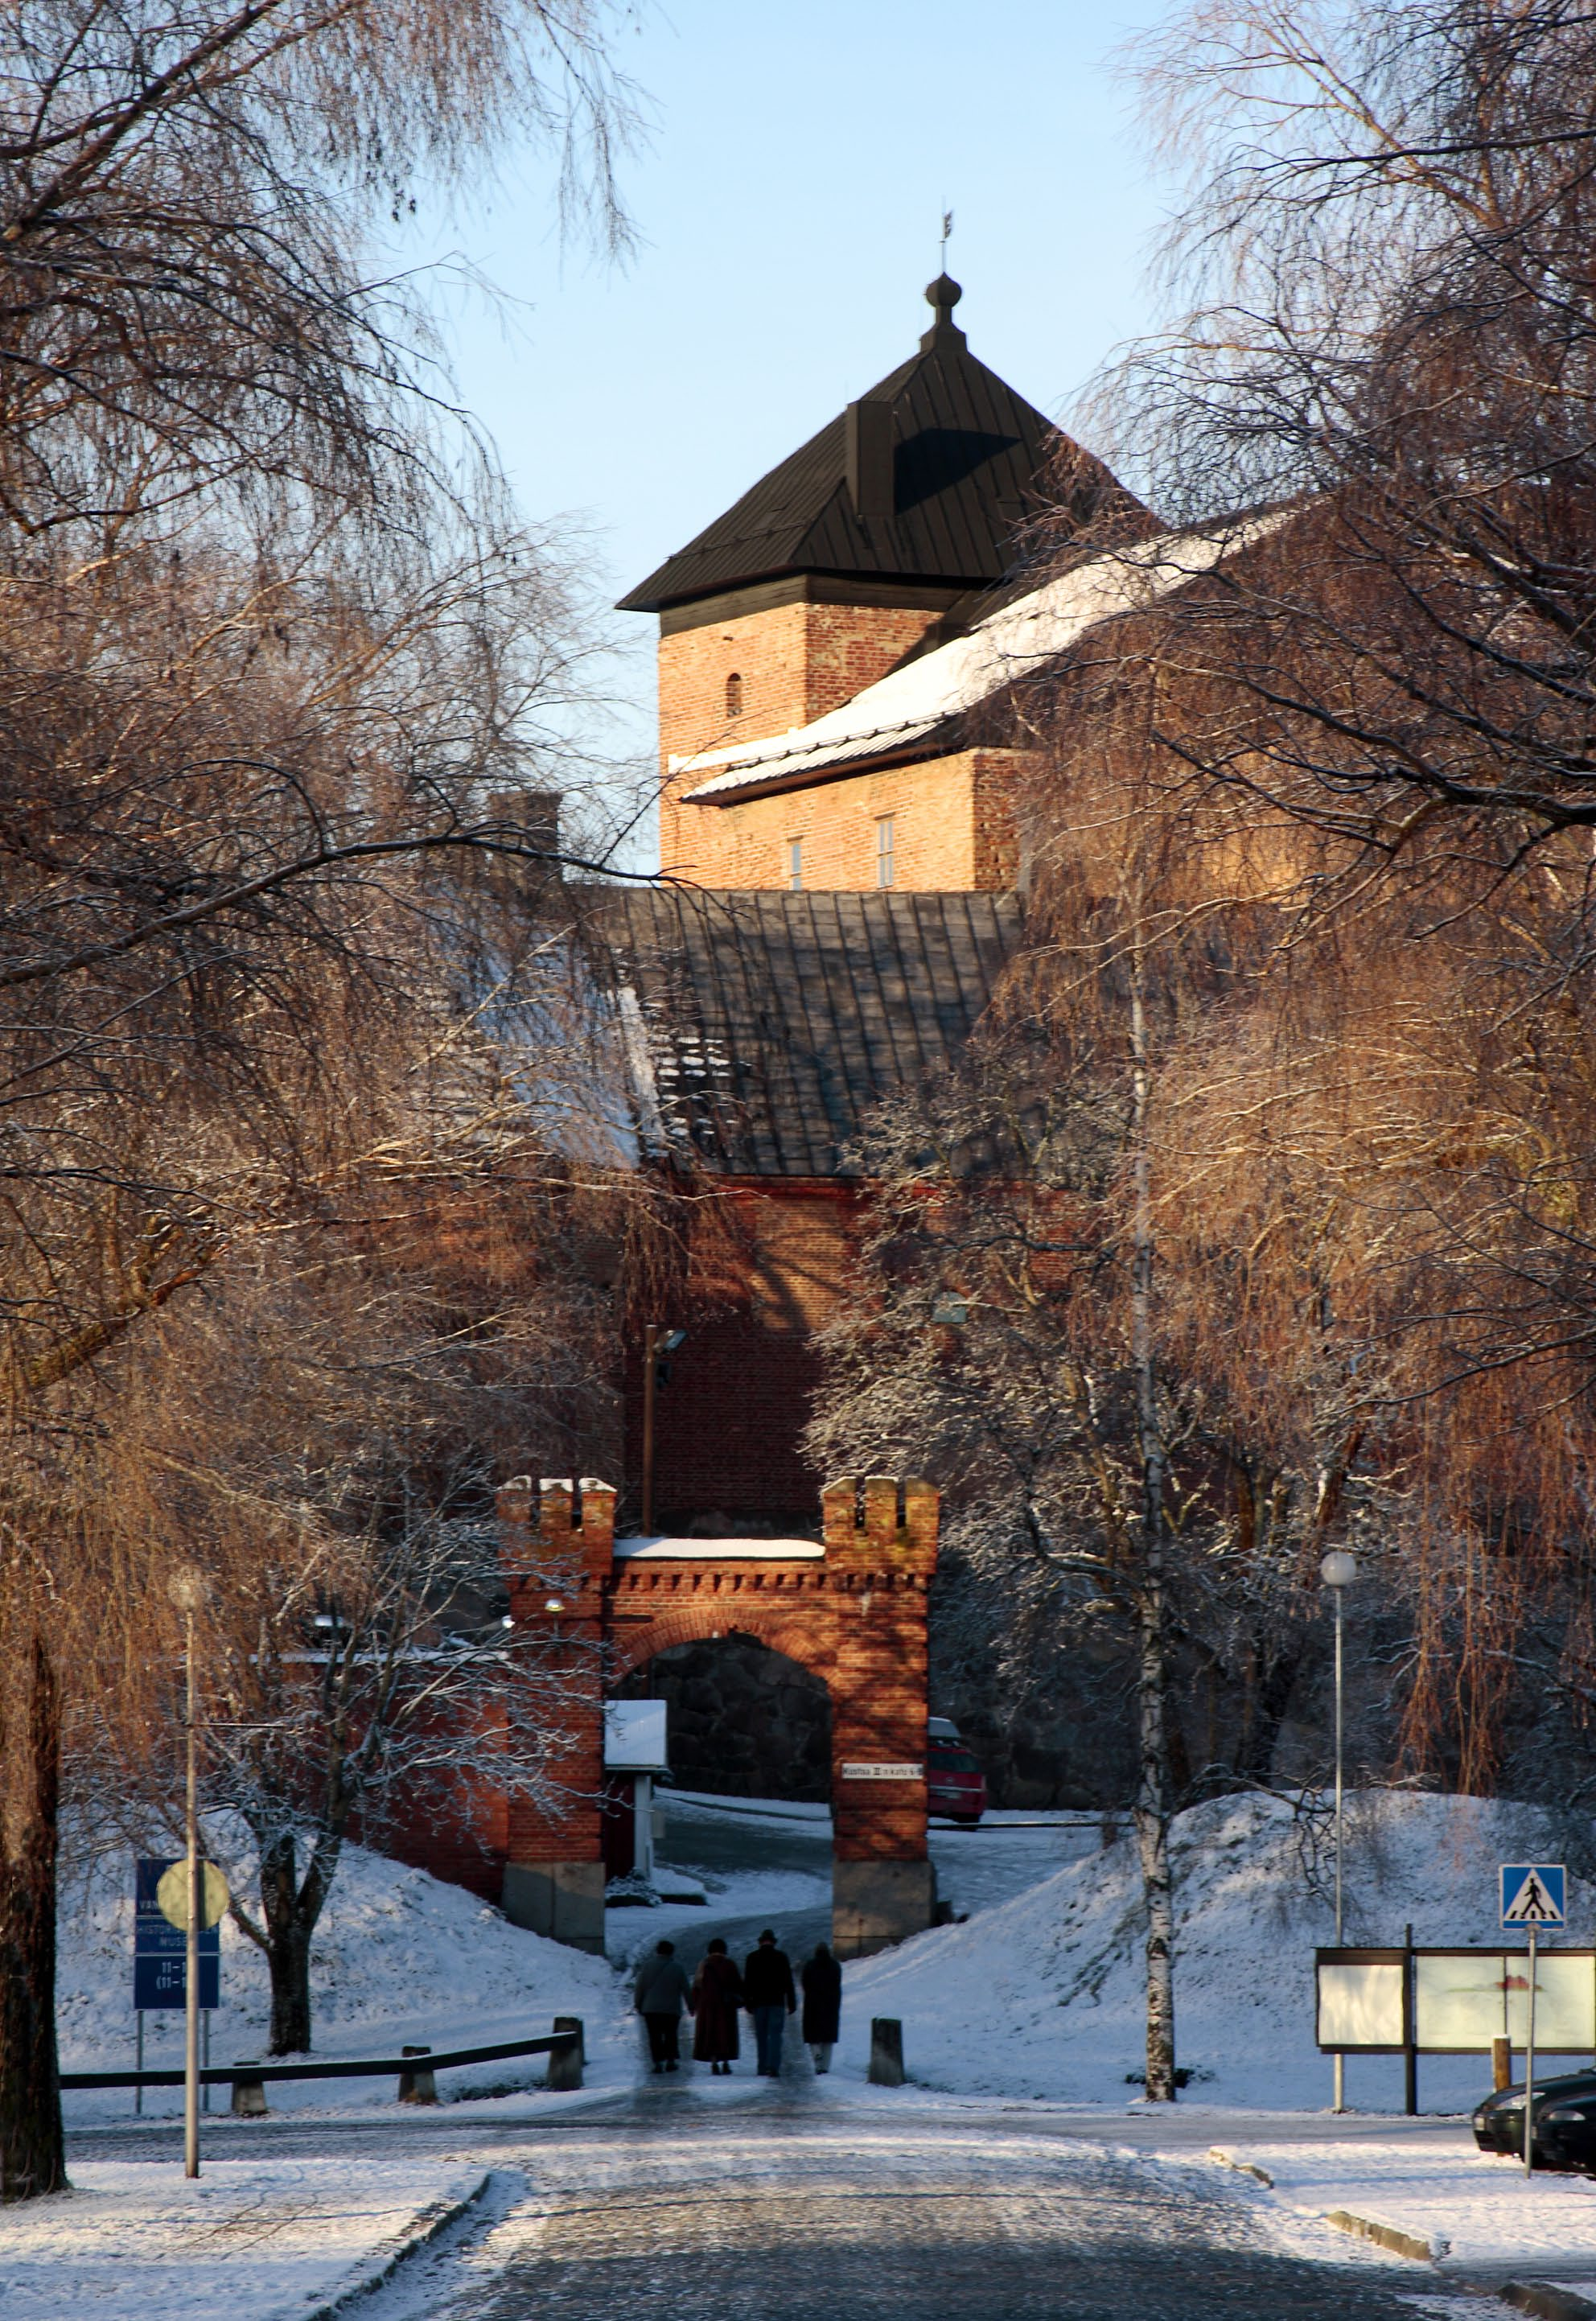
(1454,2002)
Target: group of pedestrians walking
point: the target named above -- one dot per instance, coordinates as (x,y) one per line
(763,1990)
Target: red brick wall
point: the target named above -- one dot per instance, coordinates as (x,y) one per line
(556,1545)
(795,661)
(953,829)
(766,1266)
(456,1829)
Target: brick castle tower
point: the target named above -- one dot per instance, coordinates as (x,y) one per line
(866,549)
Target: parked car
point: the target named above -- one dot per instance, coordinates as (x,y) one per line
(1564,2120)
(956,1787)
(1566,2127)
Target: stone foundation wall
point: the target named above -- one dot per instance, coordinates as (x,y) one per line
(743,1719)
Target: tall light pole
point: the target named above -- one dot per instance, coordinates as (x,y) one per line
(1338,1569)
(186,1590)
(657,1344)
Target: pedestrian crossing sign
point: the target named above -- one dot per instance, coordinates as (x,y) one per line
(1534,1894)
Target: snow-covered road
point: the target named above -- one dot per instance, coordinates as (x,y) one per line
(782,2205)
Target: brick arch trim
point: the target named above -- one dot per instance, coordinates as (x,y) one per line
(784,1629)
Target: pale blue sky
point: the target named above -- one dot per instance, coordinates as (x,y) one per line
(789,203)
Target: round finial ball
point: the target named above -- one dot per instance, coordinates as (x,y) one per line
(186,1588)
(944,293)
(1339,1569)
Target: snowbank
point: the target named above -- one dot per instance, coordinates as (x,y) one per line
(398,1957)
(258,2239)
(1043,1996)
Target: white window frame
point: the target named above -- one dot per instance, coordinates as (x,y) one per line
(886,850)
(795,865)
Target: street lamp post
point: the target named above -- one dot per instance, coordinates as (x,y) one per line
(186,1590)
(1338,1569)
(657,1344)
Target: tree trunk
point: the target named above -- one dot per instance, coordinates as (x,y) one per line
(1152,1839)
(32,2151)
(1273,1697)
(1153,1784)
(287,1947)
(291,1911)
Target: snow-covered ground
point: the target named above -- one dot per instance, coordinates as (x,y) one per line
(1035,2000)
(258,2240)
(1480,2214)
(398,1958)
(1041,1995)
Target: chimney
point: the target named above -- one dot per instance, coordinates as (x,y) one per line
(532,816)
(868,435)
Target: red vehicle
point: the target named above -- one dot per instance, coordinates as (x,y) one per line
(955,1787)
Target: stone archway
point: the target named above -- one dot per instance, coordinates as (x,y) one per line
(853,1611)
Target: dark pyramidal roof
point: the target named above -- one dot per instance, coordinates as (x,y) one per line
(960,457)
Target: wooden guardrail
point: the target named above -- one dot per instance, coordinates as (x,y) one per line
(565,2046)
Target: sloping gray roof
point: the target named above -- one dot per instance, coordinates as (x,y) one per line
(763,1026)
(969,458)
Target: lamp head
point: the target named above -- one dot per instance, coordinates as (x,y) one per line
(1339,1569)
(669,1341)
(186,1587)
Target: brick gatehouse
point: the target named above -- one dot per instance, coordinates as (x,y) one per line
(853,1610)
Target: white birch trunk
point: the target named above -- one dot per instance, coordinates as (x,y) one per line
(1153,1786)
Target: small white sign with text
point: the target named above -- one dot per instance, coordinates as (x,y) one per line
(883,1772)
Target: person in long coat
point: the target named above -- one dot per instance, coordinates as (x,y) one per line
(659,1994)
(717,1994)
(822,1977)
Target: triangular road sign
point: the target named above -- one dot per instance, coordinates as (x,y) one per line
(1533,1894)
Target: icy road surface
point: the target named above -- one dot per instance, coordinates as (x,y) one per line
(775,2209)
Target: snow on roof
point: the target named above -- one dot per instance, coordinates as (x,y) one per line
(1020,637)
(658,1550)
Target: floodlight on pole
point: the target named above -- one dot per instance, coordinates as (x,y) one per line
(186,1590)
(1338,1569)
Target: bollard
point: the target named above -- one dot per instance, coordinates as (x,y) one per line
(248,2091)
(417,2087)
(886,2051)
(1502,2064)
(565,2063)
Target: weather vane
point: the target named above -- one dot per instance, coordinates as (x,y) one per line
(946,230)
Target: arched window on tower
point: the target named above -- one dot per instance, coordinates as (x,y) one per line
(734,694)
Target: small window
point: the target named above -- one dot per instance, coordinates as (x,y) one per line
(885,873)
(734,694)
(795,866)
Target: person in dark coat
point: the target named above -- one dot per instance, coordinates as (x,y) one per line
(823,2005)
(717,1994)
(659,1994)
(769,1996)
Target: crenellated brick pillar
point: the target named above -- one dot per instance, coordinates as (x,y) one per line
(881,1552)
(557,1543)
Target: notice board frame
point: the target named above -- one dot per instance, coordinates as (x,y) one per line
(1404,1955)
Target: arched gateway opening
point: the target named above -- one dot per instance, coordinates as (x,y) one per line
(744,1720)
(851,1611)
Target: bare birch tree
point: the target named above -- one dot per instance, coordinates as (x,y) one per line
(266,640)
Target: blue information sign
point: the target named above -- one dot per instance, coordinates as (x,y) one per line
(160,1953)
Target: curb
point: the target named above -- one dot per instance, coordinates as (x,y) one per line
(1217,2153)
(1551,2303)
(1386,2236)
(419,2234)
(1542,2298)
